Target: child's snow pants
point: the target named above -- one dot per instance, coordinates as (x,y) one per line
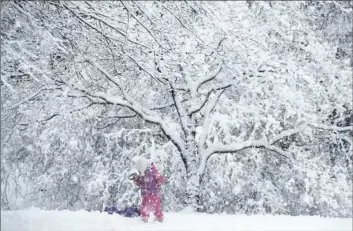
(151,203)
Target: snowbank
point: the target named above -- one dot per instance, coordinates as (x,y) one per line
(35,219)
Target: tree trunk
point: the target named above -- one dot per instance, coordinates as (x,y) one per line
(193,191)
(193,180)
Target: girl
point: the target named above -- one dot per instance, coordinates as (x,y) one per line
(150,182)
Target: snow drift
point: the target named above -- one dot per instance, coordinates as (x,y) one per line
(35,219)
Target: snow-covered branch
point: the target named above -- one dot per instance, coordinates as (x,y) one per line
(347,10)
(218,148)
(128,102)
(202,81)
(145,114)
(100,31)
(116,83)
(90,25)
(167,105)
(34,95)
(207,120)
(84,107)
(117,118)
(106,23)
(333,128)
(106,74)
(58,114)
(149,32)
(303,126)
(162,106)
(144,13)
(162,81)
(287,133)
(197,108)
(188,29)
(7,84)
(125,116)
(180,111)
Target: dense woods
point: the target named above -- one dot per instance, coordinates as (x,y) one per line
(246,107)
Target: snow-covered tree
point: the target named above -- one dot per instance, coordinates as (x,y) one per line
(228,95)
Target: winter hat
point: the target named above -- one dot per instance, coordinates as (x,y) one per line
(141,163)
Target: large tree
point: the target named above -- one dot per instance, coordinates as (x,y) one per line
(214,78)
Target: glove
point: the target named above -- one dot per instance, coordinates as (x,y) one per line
(133,176)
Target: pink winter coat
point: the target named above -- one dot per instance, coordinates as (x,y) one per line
(150,182)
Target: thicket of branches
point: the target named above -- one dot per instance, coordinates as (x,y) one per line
(244,106)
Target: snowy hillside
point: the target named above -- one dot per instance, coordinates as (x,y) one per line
(35,220)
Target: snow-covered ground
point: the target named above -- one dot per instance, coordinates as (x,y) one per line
(37,220)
